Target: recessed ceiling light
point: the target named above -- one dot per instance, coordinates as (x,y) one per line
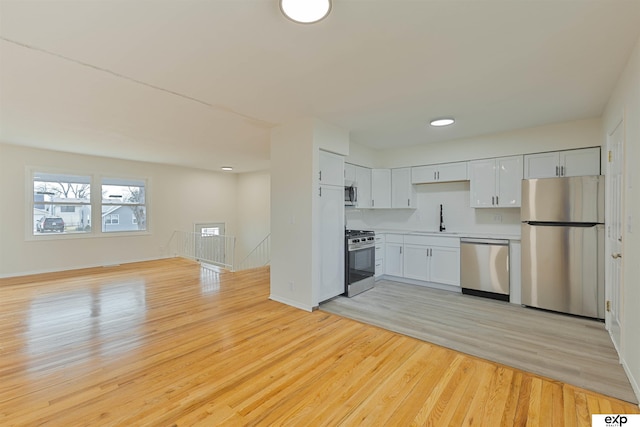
(442,122)
(227,168)
(305,11)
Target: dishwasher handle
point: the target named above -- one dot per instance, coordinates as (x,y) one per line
(474,241)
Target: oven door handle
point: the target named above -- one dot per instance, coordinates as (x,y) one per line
(373,245)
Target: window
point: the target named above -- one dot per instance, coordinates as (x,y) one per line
(124,205)
(61,203)
(112,219)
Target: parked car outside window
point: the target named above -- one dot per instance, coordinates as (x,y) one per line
(50,224)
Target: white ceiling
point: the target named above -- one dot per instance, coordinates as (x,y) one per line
(201,83)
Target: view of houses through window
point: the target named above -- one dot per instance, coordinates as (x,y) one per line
(123,205)
(62,203)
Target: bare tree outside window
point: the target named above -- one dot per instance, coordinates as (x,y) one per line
(126,198)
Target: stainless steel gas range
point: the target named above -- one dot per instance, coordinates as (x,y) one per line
(360,261)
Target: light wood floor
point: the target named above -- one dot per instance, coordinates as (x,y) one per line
(170,343)
(574,350)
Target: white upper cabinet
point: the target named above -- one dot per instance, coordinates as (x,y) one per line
(350,174)
(363,184)
(445,172)
(403,195)
(380,188)
(584,161)
(496,182)
(331,169)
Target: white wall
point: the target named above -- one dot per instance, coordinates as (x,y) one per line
(294,220)
(291,233)
(560,136)
(178,198)
(254,211)
(625,99)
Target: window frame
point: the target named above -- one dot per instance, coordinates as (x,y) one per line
(95,204)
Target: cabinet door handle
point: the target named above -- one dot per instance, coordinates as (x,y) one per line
(401,249)
(373,203)
(493,200)
(438,175)
(497,203)
(320,175)
(561,170)
(408,202)
(557,171)
(320,191)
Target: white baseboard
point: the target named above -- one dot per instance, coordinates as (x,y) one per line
(80,267)
(634,382)
(290,302)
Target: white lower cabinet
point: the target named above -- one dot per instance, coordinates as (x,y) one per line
(416,262)
(432,259)
(445,265)
(379,266)
(425,258)
(393,254)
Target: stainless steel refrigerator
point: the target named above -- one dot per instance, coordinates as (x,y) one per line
(563,244)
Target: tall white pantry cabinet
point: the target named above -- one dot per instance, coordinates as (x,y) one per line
(330,194)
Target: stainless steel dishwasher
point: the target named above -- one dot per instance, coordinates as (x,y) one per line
(484,268)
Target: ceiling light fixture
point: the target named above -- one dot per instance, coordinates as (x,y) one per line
(226,168)
(305,11)
(442,122)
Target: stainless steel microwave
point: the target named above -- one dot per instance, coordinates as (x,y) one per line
(350,195)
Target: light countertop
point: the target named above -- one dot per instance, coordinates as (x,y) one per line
(472,234)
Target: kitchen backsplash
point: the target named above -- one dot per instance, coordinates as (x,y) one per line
(458,216)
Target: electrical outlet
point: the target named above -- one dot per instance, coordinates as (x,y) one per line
(497,218)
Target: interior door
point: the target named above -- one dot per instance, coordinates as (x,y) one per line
(614,227)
